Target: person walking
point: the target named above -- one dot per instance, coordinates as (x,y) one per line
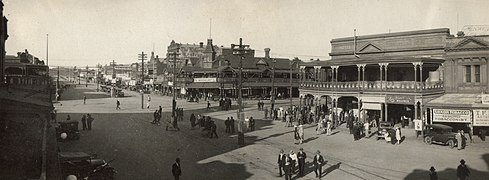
(149,101)
(293,160)
(68,117)
(301,155)
(458,137)
(463,171)
(84,122)
(232,125)
(296,134)
(155,116)
(281,162)
(192,120)
(208,105)
(228,127)
(464,139)
(89,121)
(176,170)
(287,168)
(318,164)
(398,135)
(252,124)
(118,105)
(84,99)
(301,134)
(265,110)
(175,123)
(213,130)
(433,174)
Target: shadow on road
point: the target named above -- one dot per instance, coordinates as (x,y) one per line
(450,173)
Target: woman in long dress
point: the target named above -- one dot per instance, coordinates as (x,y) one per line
(398,135)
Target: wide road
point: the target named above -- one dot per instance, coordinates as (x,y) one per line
(145,151)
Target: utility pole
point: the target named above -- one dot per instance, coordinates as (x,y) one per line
(240,50)
(272,96)
(142,56)
(86,78)
(174,101)
(290,83)
(98,73)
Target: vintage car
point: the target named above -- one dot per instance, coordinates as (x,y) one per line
(68,127)
(85,166)
(383,129)
(440,134)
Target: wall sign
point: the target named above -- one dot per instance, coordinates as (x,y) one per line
(481,117)
(485,98)
(399,99)
(452,115)
(205,79)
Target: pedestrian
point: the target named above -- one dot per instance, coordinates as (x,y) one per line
(366,126)
(155,116)
(213,130)
(318,164)
(458,137)
(293,160)
(149,101)
(68,118)
(266,112)
(318,128)
(246,124)
(118,105)
(228,127)
(433,174)
(160,110)
(464,139)
(398,135)
(192,120)
(176,169)
(287,168)
(208,105)
(328,127)
(463,171)
(281,162)
(482,134)
(252,124)
(84,99)
(301,134)
(301,155)
(175,123)
(89,121)
(296,134)
(84,122)
(232,125)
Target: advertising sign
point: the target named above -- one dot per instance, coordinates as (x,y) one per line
(418,124)
(205,79)
(481,117)
(485,98)
(451,115)
(399,99)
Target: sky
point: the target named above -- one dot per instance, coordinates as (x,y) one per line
(87,32)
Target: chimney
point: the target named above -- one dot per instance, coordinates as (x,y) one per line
(267,53)
(209,42)
(460,34)
(201,44)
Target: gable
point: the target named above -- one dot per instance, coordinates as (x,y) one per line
(261,62)
(471,43)
(370,48)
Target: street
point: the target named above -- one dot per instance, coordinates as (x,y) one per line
(142,150)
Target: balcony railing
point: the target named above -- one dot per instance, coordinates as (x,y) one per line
(404,86)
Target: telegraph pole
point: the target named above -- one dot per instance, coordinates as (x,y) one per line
(142,56)
(240,50)
(272,97)
(290,83)
(98,73)
(86,78)
(174,101)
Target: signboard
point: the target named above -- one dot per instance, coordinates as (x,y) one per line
(473,30)
(452,115)
(485,98)
(481,117)
(418,124)
(399,99)
(205,79)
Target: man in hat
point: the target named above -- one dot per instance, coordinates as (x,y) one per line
(318,164)
(301,155)
(176,169)
(463,171)
(281,162)
(433,174)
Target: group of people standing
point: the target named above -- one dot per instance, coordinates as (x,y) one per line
(86,121)
(287,163)
(206,122)
(225,103)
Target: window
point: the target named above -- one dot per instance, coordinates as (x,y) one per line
(468,73)
(477,73)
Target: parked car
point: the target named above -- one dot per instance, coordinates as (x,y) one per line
(84,165)
(440,134)
(383,129)
(68,127)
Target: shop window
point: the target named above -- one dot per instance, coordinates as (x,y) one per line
(477,73)
(468,73)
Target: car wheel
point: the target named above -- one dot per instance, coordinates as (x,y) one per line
(451,143)
(428,140)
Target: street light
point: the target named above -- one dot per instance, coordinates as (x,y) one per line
(272,97)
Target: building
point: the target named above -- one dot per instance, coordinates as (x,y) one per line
(388,76)
(191,54)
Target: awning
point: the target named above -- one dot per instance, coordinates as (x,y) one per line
(371,106)
(458,101)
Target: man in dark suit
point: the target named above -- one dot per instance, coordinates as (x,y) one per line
(318,164)
(176,170)
(281,162)
(301,155)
